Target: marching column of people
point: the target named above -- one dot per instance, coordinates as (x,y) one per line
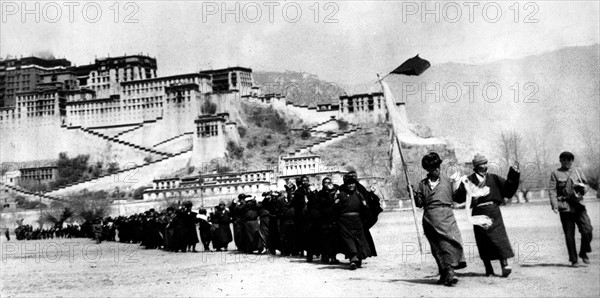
(308,223)
(337,219)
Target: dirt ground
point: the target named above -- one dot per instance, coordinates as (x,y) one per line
(78,267)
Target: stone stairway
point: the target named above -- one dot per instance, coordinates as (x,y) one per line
(121,171)
(171,139)
(29,193)
(129,130)
(325,141)
(116,140)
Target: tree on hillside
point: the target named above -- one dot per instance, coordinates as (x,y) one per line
(234,150)
(71,169)
(138,193)
(57,219)
(90,205)
(23,203)
(113,167)
(305,135)
(342,124)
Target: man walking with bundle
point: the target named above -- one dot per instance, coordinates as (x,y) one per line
(567,187)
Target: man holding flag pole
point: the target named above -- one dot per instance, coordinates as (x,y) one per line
(412,67)
(435,194)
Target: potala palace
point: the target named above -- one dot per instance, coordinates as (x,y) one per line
(119,110)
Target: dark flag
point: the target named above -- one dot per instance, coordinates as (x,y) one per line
(412,67)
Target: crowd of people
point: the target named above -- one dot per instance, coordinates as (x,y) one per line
(296,222)
(301,221)
(27,232)
(304,222)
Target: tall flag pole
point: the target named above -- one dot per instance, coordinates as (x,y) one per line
(411,67)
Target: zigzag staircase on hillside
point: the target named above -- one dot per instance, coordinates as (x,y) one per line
(332,138)
(138,126)
(28,192)
(129,130)
(113,139)
(314,127)
(171,139)
(120,171)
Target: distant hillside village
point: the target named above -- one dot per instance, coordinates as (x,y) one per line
(143,127)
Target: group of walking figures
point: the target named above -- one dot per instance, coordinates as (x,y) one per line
(300,222)
(337,219)
(296,222)
(484,192)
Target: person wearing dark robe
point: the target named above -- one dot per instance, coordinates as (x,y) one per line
(179,230)
(352,208)
(190,219)
(264,219)
(237,215)
(220,220)
(151,231)
(374,203)
(169,229)
(273,205)
(286,216)
(567,187)
(435,195)
(139,233)
(325,230)
(301,197)
(205,229)
(492,242)
(97,230)
(250,227)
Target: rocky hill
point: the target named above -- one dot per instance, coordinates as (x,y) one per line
(299,87)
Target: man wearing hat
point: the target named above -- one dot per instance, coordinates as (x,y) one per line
(492,242)
(352,208)
(374,203)
(250,226)
(567,187)
(237,213)
(205,228)
(220,220)
(190,219)
(301,197)
(435,194)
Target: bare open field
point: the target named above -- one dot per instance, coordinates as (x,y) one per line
(81,268)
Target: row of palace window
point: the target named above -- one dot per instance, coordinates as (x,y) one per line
(39,113)
(155,86)
(207,130)
(224,189)
(243,178)
(34,98)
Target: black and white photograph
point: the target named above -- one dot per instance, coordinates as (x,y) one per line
(300,148)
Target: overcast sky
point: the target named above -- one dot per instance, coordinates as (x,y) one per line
(368,37)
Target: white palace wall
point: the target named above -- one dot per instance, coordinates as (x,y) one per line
(131,179)
(46,139)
